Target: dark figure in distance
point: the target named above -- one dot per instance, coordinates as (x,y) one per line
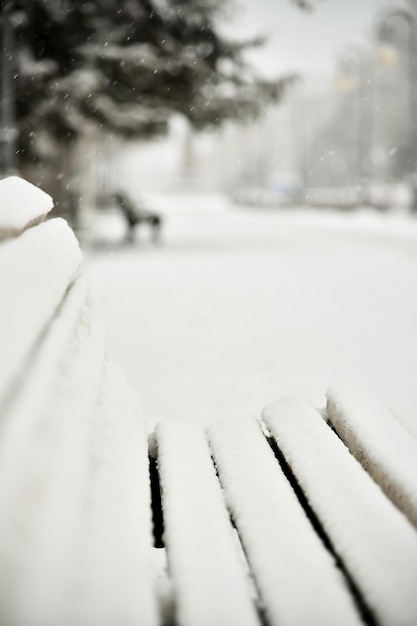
(137,216)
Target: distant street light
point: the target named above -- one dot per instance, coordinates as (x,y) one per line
(387,55)
(354,75)
(8,130)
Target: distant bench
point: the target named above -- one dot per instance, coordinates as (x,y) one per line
(136,216)
(295,519)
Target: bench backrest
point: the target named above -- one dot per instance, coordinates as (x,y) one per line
(75,521)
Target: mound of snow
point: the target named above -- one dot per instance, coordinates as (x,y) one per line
(21,204)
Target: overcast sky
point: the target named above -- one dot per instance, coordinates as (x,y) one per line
(307,41)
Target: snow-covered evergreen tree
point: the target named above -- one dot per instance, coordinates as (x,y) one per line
(127,66)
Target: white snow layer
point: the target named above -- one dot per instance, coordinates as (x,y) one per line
(35,271)
(75,544)
(379,442)
(208,576)
(297,578)
(115,563)
(375,541)
(21,204)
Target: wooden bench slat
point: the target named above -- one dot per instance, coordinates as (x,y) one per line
(36,270)
(51,364)
(208,577)
(43,465)
(298,581)
(85,553)
(386,450)
(376,543)
(116,579)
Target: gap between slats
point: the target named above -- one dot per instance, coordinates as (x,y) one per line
(165,590)
(363,609)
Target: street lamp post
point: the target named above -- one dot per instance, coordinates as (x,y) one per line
(385,31)
(299,140)
(354,66)
(7,97)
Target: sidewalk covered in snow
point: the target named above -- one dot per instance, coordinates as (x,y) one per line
(238,308)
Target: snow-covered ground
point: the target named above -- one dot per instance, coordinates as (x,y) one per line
(238,307)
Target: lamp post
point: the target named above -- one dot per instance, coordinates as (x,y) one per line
(298,139)
(7,97)
(354,68)
(385,33)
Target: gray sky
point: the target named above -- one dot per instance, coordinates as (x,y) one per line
(304,41)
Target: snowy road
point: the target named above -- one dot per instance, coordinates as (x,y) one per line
(239,308)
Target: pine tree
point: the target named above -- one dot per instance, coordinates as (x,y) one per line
(127,66)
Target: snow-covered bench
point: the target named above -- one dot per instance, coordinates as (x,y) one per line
(297,518)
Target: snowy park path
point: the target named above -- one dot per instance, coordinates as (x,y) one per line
(239,308)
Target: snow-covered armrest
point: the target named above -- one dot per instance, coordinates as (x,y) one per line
(22,205)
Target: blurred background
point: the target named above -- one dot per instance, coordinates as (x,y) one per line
(242,177)
(270,102)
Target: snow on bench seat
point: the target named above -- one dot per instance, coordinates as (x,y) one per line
(379,442)
(35,271)
(22,205)
(297,578)
(376,543)
(208,576)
